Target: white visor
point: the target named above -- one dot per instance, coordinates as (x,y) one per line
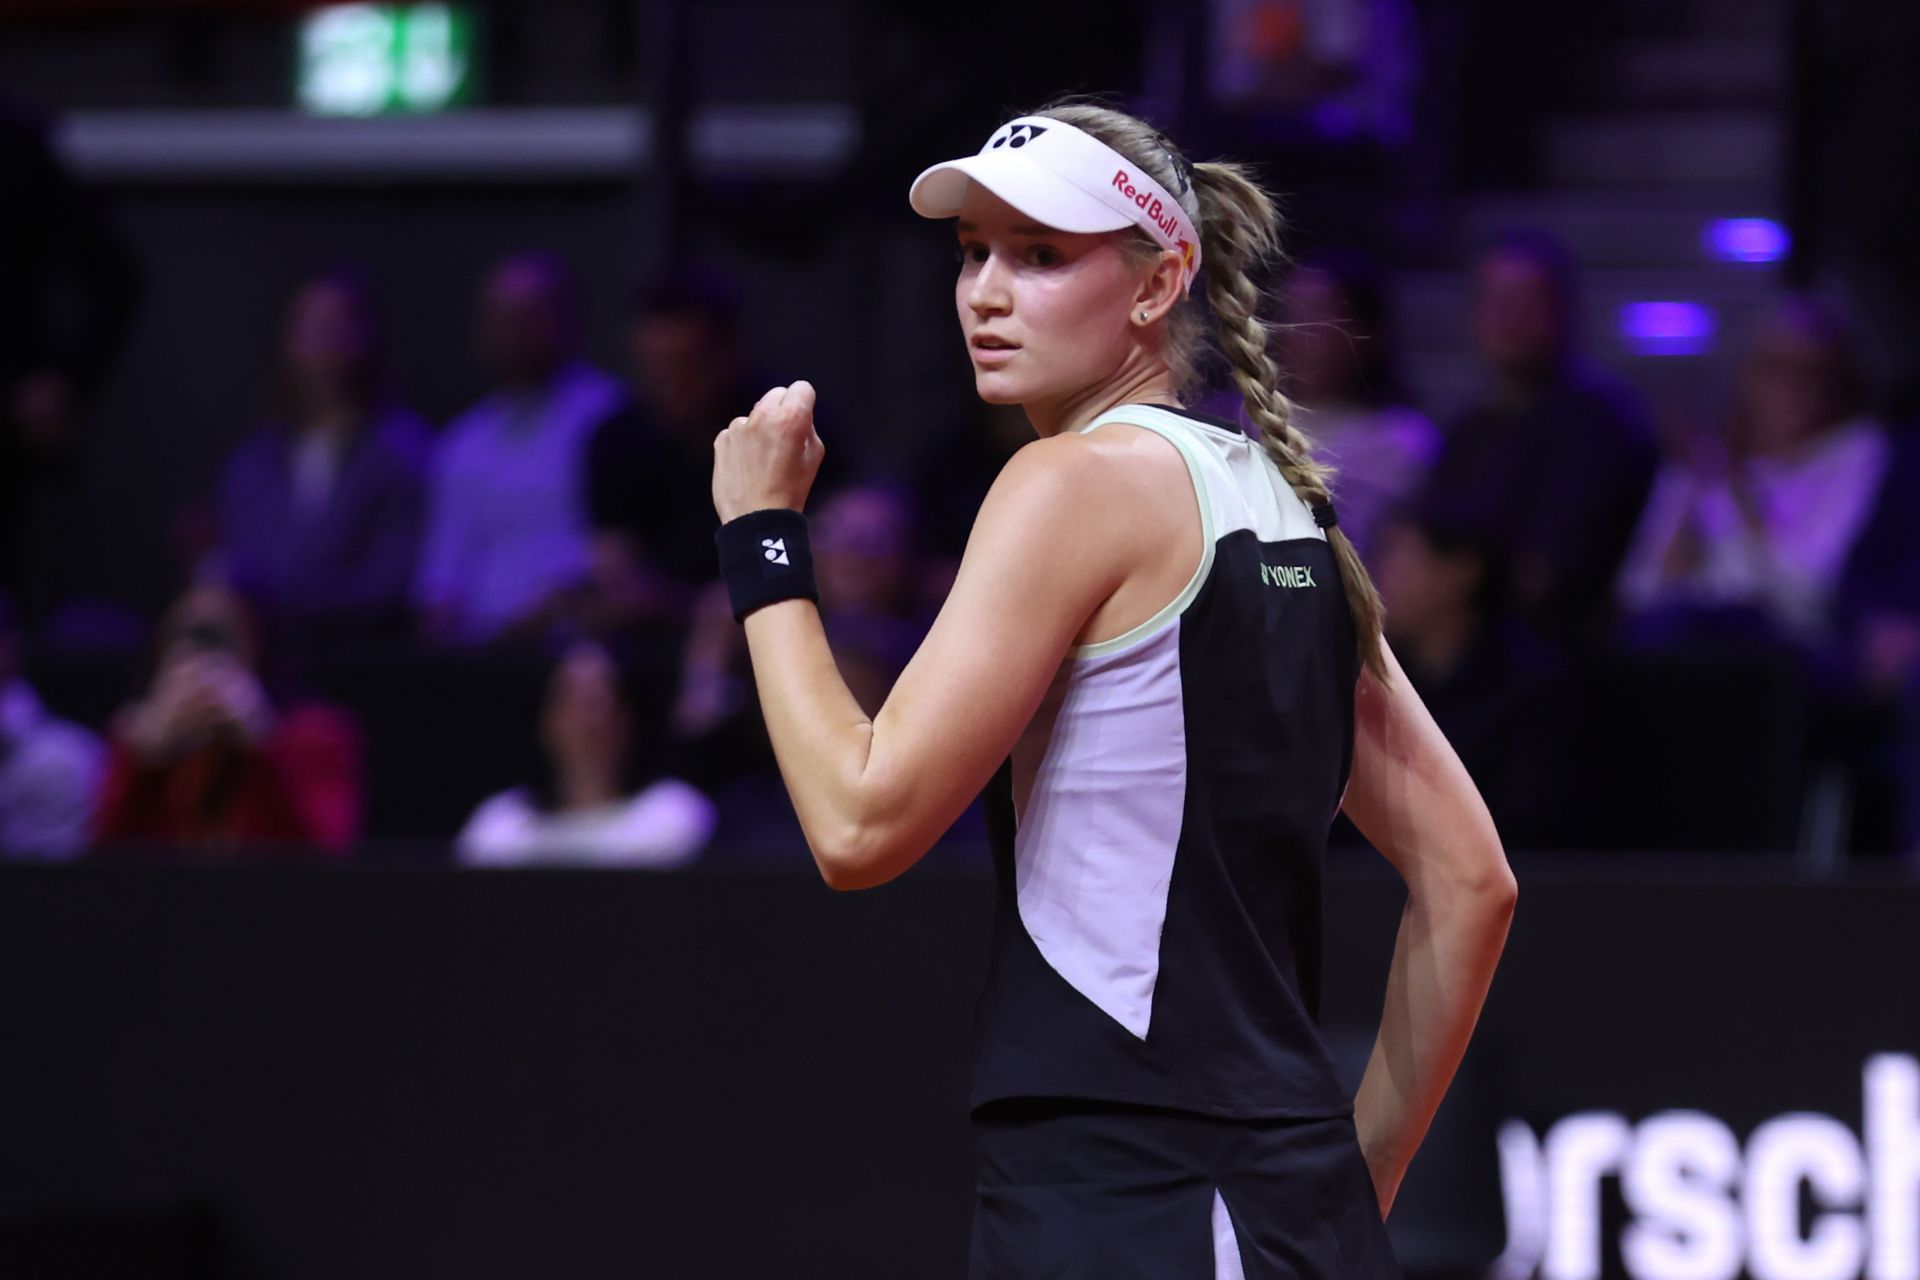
(1067,179)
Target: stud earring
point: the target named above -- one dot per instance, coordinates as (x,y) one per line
(1143,317)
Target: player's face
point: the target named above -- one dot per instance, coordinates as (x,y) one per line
(1044,312)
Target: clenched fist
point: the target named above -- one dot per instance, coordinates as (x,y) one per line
(770,457)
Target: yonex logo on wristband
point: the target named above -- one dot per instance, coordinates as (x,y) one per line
(764,558)
(1287,575)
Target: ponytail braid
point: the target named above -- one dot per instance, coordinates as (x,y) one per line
(1239,233)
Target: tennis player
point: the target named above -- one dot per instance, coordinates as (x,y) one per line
(1162,661)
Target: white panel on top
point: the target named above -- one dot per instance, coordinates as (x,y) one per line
(1244,488)
(1226,1246)
(1099,787)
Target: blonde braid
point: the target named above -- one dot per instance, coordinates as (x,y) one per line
(1239,233)
(1239,240)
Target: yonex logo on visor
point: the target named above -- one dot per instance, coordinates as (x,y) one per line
(1064,177)
(1016,135)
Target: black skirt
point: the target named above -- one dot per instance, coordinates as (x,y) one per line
(1074,1189)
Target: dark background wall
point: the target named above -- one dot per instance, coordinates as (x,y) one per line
(434,1074)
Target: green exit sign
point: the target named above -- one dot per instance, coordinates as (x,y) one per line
(379,59)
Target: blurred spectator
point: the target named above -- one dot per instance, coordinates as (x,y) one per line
(1502,695)
(650,465)
(1906,757)
(206,758)
(865,557)
(957,468)
(69,289)
(320,511)
(1878,607)
(1330,92)
(1556,455)
(1337,354)
(1874,729)
(1346,68)
(866,562)
(49,769)
(507,545)
(591,806)
(1757,523)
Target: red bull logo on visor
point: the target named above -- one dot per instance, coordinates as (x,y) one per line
(1168,220)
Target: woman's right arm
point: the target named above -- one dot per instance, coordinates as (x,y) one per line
(1411,797)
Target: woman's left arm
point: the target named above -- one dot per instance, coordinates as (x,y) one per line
(873,794)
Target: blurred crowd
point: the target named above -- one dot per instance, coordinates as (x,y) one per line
(544,561)
(1640,628)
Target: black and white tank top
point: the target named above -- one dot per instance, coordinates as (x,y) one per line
(1159,830)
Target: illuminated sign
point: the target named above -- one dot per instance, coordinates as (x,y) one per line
(1667,328)
(1746,240)
(377,59)
(1804,1198)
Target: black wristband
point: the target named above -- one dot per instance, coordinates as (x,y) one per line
(765,558)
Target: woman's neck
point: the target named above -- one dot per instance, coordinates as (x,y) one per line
(588,786)
(1148,382)
(337,416)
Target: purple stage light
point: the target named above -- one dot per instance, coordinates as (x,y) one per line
(1747,240)
(1667,328)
